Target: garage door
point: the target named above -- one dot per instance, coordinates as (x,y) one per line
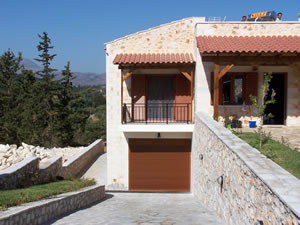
(159,164)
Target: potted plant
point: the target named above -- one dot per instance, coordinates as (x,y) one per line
(248,111)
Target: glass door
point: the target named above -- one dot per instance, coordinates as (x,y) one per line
(160,98)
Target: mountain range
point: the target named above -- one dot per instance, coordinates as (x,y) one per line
(82,79)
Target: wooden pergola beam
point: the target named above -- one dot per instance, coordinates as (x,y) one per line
(224,71)
(127,75)
(187,75)
(217,76)
(253,60)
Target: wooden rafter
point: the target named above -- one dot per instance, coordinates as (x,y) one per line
(253,60)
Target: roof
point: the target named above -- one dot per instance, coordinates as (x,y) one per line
(184,58)
(248,44)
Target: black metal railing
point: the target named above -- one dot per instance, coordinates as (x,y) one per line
(157,113)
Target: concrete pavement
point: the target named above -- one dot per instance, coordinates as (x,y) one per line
(143,209)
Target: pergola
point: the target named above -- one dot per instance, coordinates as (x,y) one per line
(184,62)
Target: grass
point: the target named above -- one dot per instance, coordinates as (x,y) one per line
(279,153)
(9,198)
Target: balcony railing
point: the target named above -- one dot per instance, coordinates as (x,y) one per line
(157,113)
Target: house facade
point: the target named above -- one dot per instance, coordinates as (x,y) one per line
(158,78)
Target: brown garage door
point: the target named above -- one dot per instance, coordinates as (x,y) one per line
(159,164)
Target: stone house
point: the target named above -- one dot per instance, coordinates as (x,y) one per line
(158,78)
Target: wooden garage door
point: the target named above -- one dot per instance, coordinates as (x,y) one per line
(159,164)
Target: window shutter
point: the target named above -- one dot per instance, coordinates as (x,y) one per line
(182,96)
(138,96)
(138,89)
(251,86)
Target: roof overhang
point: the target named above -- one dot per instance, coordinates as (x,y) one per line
(249,44)
(247,50)
(154,59)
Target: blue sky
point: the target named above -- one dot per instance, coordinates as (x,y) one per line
(78,29)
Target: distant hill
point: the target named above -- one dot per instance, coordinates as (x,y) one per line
(82,79)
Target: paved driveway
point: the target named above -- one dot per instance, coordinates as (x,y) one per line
(143,209)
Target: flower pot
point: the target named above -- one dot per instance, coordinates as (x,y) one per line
(252,124)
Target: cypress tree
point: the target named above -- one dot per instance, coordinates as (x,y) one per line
(47,88)
(28,108)
(9,92)
(72,112)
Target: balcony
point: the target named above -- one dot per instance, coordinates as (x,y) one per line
(157,113)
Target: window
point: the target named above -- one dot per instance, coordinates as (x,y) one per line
(232,89)
(235,88)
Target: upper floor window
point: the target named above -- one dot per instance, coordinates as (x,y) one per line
(233,89)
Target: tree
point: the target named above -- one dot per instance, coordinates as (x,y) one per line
(28,108)
(9,92)
(72,114)
(47,88)
(261,108)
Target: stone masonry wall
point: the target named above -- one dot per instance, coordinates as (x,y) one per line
(78,164)
(248,28)
(21,174)
(174,37)
(239,183)
(30,171)
(49,171)
(43,211)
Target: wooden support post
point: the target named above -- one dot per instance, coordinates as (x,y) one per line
(216,92)
(217,76)
(121,96)
(192,95)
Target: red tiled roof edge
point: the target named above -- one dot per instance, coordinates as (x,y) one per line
(248,44)
(148,58)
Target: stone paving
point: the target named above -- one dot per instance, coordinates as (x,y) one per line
(143,209)
(289,136)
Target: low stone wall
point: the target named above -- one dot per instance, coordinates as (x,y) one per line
(43,211)
(49,170)
(30,171)
(79,163)
(239,183)
(20,174)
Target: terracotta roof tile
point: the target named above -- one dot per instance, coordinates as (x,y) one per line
(154,58)
(248,44)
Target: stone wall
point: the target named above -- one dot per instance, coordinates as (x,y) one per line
(78,164)
(30,171)
(20,174)
(43,211)
(49,170)
(248,28)
(239,183)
